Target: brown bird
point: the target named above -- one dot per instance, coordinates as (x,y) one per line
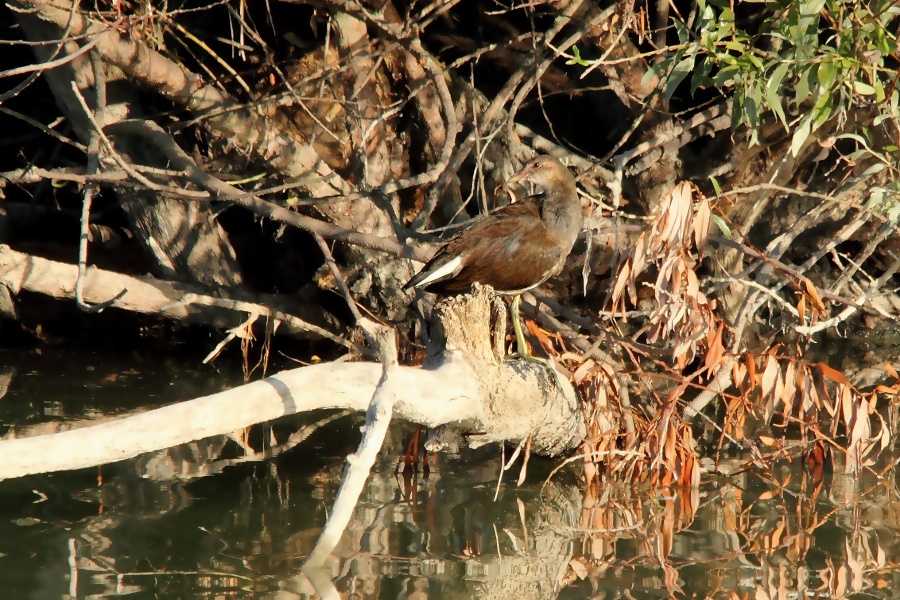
(515,248)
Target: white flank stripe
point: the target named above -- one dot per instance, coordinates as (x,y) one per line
(448,269)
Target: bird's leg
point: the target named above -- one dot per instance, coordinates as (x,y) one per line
(521,345)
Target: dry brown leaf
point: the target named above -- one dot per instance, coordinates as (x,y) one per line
(790,385)
(770,375)
(701,225)
(891,371)
(845,401)
(639,259)
(693,284)
(738,373)
(621,281)
(751,370)
(715,351)
(578,567)
(884,389)
(862,428)
(810,290)
(884,438)
(582,371)
(833,374)
(768,441)
(778,391)
(541,336)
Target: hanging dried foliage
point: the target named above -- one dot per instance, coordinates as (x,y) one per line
(682,313)
(777,397)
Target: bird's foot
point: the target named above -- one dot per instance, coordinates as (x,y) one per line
(522,344)
(548,364)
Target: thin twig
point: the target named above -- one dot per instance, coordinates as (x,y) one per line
(850,310)
(93,164)
(338,277)
(181,160)
(124,164)
(268,312)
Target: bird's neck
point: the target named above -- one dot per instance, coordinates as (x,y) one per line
(561,212)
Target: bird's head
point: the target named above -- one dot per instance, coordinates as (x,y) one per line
(546,172)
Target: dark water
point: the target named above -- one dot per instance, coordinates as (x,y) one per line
(196,522)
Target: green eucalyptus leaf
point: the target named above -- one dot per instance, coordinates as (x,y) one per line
(804,85)
(655,71)
(726,76)
(700,76)
(863,88)
(681,70)
(879,91)
(876,168)
(822,109)
(826,74)
(684,34)
(773,92)
(722,225)
(801,134)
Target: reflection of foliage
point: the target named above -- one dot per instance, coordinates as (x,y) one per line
(797,394)
(808,535)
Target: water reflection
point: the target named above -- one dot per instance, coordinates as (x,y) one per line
(201,521)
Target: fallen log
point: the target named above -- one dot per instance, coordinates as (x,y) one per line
(464,386)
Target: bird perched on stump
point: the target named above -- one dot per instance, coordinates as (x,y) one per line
(515,248)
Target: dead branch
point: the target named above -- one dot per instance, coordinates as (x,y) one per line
(146,295)
(153,133)
(180,85)
(359,465)
(182,240)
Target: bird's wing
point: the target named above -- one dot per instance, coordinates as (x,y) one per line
(518,255)
(447,262)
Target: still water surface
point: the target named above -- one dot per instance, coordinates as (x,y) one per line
(199,521)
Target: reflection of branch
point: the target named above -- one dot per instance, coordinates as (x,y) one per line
(204,469)
(320,578)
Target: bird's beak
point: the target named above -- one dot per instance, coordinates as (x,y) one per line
(519,177)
